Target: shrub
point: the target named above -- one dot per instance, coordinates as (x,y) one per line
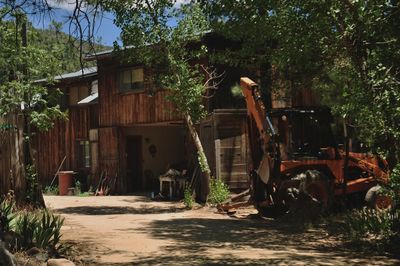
(51,190)
(188,198)
(33,187)
(219,191)
(78,188)
(370,224)
(394,185)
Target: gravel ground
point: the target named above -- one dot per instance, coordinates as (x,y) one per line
(129,230)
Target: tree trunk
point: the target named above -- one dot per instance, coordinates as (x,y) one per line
(205,169)
(17,160)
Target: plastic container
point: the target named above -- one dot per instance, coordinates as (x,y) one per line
(65,181)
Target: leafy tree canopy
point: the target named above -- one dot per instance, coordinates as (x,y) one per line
(348,50)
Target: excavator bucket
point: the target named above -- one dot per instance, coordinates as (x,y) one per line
(264,169)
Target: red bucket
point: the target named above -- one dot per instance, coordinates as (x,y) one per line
(65,181)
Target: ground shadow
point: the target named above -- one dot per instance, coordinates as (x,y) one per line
(231,239)
(116,210)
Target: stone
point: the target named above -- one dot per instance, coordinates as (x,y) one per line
(6,258)
(60,262)
(33,251)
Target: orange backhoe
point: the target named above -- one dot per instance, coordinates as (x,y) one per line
(294,155)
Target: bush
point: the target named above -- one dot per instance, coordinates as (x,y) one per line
(219,191)
(393,186)
(370,224)
(51,190)
(33,187)
(188,198)
(78,188)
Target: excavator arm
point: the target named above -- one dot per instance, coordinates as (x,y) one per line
(269,161)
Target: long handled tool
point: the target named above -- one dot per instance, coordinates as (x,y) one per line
(58,170)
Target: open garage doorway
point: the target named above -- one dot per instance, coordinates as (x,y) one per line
(150,151)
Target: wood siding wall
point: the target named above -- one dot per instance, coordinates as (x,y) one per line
(61,141)
(129,108)
(109,155)
(224,136)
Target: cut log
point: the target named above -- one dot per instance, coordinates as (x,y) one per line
(231,207)
(237,197)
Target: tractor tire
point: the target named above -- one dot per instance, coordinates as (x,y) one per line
(378,201)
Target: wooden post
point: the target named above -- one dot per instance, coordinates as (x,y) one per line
(218,158)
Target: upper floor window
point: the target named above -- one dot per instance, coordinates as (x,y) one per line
(77,94)
(131,79)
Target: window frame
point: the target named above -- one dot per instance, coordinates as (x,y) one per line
(132,89)
(83,160)
(77,90)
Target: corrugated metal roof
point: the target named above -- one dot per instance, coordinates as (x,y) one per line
(85,72)
(105,53)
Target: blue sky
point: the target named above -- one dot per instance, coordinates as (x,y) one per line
(105,28)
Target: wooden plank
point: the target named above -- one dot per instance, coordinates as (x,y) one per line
(234,177)
(227,167)
(232,142)
(217,158)
(238,184)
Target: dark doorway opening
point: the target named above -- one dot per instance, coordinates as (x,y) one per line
(134,163)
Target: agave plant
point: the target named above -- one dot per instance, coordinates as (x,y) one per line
(47,233)
(41,229)
(25,226)
(7,215)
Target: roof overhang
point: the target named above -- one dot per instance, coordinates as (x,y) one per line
(91,99)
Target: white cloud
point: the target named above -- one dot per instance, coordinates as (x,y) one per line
(68,5)
(180,2)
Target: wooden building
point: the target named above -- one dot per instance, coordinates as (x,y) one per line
(122,125)
(140,134)
(118,125)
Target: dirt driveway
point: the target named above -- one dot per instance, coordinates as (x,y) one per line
(129,230)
